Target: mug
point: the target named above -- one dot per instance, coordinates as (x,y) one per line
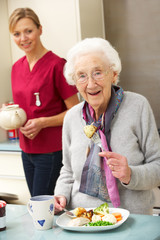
(2,215)
(41,208)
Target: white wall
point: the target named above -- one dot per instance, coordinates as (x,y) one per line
(5,54)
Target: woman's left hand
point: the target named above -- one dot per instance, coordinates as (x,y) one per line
(118,165)
(32,128)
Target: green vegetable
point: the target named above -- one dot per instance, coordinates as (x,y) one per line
(99,223)
(102,209)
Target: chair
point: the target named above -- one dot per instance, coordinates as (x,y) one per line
(8,197)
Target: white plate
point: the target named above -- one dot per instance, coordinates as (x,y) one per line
(63,220)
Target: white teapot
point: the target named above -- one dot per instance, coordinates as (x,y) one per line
(12,117)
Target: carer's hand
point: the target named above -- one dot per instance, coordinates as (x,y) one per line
(118,165)
(59,203)
(32,128)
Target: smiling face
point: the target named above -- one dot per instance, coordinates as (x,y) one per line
(26,35)
(96,92)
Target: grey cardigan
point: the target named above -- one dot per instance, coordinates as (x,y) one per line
(133,134)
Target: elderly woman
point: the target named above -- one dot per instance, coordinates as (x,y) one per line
(126,167)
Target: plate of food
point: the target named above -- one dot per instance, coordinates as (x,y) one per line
(97,219)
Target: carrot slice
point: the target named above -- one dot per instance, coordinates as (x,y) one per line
(117,215)
(119,219)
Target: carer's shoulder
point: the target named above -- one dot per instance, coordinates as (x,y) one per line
(56,58)
(76,109)
(19,61)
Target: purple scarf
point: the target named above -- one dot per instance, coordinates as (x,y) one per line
(97,179)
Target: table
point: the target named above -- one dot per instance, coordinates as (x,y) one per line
(20,227)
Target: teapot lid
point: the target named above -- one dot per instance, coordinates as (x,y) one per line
(10,107)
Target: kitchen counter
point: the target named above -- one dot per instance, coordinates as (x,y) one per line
(10,146)
(20,226)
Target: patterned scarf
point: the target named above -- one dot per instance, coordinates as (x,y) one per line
(97,179)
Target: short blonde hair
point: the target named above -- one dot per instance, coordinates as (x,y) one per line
(20,13)
(93,46)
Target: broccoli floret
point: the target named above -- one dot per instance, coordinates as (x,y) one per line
(102,209)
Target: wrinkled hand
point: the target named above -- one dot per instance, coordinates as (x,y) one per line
(32,128)
(59,203)
(118,165)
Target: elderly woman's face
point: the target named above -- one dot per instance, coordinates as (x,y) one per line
(94,78)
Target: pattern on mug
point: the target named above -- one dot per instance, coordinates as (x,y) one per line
(31,207)
(51,208)
(41,222)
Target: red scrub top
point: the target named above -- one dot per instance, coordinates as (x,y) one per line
(46,78)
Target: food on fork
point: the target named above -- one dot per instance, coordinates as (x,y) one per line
(89,130)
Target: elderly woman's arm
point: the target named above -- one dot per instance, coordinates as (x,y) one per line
(59,203)
(65,181)
(147,176)
(143,172)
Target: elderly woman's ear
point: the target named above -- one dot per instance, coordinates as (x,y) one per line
(115,77)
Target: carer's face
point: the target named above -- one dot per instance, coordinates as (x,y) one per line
(96,92)
(26,35)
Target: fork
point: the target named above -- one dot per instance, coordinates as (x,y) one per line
(68,213)
(96,139)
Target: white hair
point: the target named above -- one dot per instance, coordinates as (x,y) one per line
(91,45)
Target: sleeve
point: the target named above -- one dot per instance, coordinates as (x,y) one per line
(65,90)
(65,180)
(147,176)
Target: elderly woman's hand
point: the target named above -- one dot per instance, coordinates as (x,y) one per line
(118,165)
(59,203)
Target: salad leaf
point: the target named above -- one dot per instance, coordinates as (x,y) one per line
(102,209)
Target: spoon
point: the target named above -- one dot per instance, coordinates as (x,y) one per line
(69,214)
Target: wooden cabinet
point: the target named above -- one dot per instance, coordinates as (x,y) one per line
(12,178)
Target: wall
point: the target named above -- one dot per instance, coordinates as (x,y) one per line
(133,28)
(59,22)
(5,60)
(64,22)
(91,18)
